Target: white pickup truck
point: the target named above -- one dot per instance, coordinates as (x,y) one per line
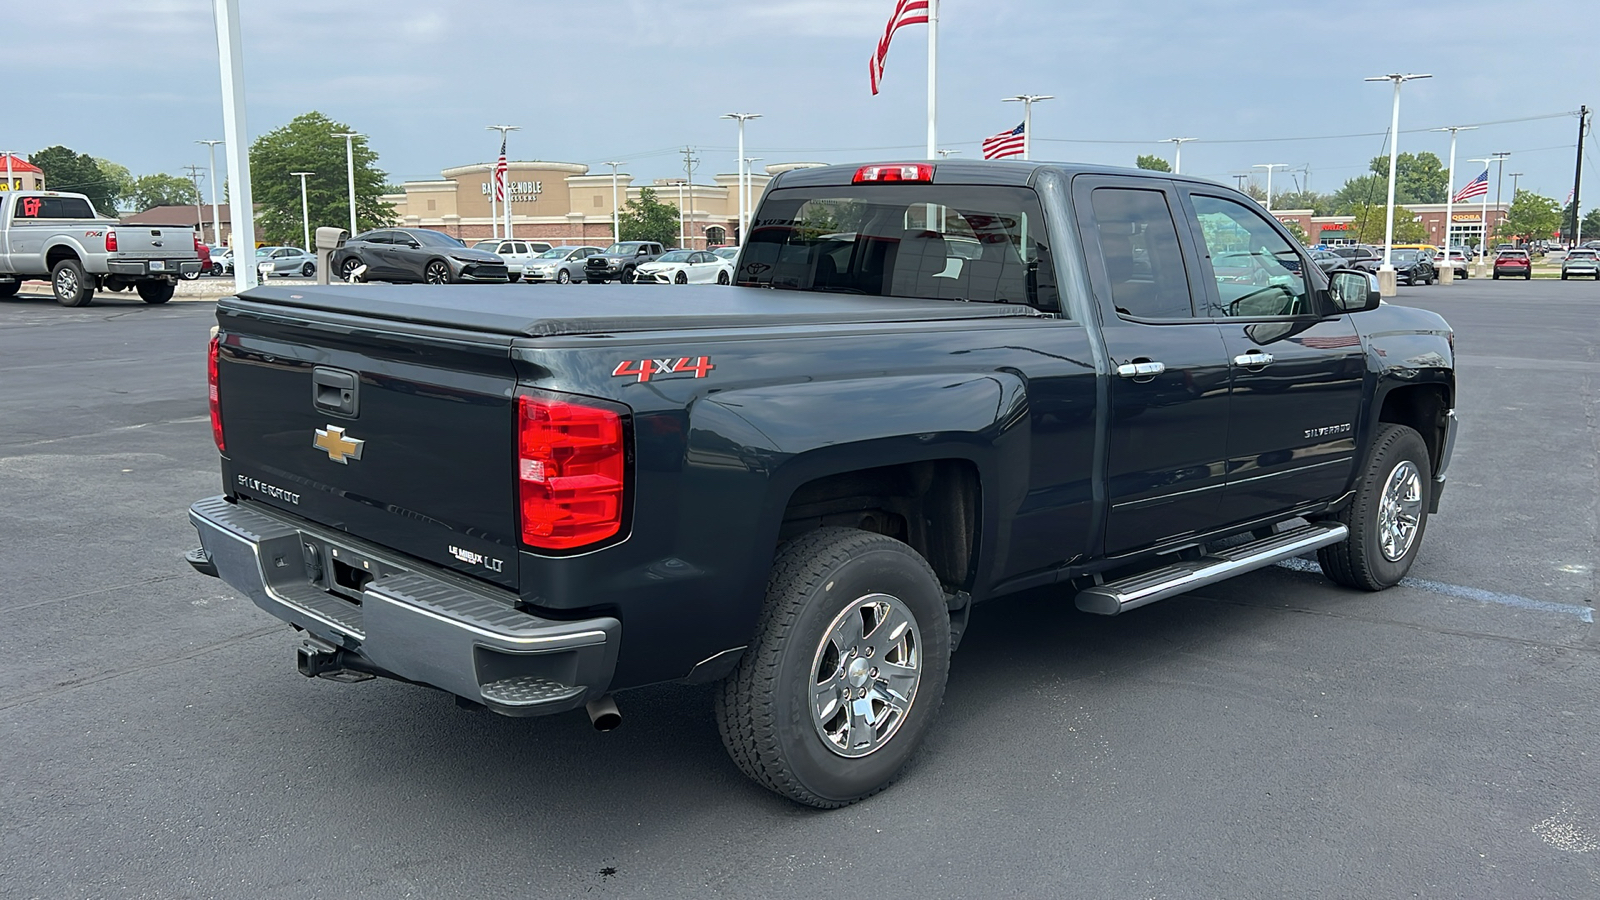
(48,234)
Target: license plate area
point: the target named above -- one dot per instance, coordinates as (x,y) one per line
(157,265)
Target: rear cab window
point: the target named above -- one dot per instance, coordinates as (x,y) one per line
(933,241)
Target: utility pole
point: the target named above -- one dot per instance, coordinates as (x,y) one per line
(689,162)
(616,212)
(199,207)
(1239,179)
(1514,177)
(216,222)
(1577,180)
(1177,153)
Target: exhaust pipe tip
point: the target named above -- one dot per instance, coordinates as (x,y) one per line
(603,713)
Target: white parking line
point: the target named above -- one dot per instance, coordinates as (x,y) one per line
(1583,613)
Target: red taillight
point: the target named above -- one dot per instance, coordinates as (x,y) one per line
(197,244)
(111,242)
(570,473)
(216,403)
(903,173)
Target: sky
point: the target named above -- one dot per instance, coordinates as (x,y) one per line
(136,81)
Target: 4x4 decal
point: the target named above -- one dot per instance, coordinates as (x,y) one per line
(645,369)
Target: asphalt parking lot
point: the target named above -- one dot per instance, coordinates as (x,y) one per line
(1271,736)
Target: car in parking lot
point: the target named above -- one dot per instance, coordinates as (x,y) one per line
(619,261)
(1360,256)
(1327,260)
(415,255)
(1581,262)
(562,265)
(517,254)
(685,267)
(1456,258)
(1413,266)
(1512,263)
(285,262)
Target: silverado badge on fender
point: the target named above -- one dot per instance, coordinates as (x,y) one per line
(339,447)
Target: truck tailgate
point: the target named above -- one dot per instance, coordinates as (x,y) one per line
(154,242)
(405,439)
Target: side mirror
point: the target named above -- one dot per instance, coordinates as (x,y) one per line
(1354,291)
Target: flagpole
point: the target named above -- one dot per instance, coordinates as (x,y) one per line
(933,79)
(1448,272)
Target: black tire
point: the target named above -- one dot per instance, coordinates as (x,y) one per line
(513,277)
(763,708)
(70,284)
(191,276)
(1528,277)
(722,278)
(308,270)
(627,276)
(680,278)
(1359,561)
(437,271)
(1497,276)
(155,292)
(1564,276)
(216,270)
(8,289)
(562,277)
(348,268)
(599,281)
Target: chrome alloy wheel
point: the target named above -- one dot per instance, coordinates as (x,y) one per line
(865,675)
(66,282)
(1400,510)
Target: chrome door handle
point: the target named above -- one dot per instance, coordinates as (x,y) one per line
(1255,359)
(1141,369)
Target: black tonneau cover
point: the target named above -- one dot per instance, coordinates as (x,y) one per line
(545,310)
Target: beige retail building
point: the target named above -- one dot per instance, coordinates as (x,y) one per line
(565,203)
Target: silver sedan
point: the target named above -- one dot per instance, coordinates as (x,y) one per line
(562,265)
(289,261)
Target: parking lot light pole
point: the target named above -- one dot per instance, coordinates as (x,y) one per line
(1447,275)
(350,173)
(744,181)
(1027,101)
(1386,277)
(504,181)
(750,194)
(230,57)
(1177,153)
(1270,167)
(305,211)
(616,212)
(216,221)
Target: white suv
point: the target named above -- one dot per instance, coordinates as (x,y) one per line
(517,254)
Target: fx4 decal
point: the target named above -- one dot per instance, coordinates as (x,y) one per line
(645,369)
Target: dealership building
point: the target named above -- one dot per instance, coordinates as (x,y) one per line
(1466,223)
(564,203)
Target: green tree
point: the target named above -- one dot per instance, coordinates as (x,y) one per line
(160,189)
(1152,162)
(1359,191)
(1531,216)
(1369,224)
(1419,178)
(1591,223)
(119,176)
(647,219)
(310,143)
(1317,203)
(1298,232)
(68,170)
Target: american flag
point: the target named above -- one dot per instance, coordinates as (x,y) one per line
(1477,187)
(1006,143)
(500,172)
(906,12)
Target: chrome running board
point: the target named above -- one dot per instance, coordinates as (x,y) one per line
(1147,587)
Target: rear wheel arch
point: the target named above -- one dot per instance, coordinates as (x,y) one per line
(60,252)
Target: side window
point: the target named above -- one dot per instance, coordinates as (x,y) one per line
(1144,261)
(1258,273)
(520,247)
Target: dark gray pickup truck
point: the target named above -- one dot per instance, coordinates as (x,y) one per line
(933,384)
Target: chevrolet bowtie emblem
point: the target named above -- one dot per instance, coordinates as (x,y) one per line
(339,447)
